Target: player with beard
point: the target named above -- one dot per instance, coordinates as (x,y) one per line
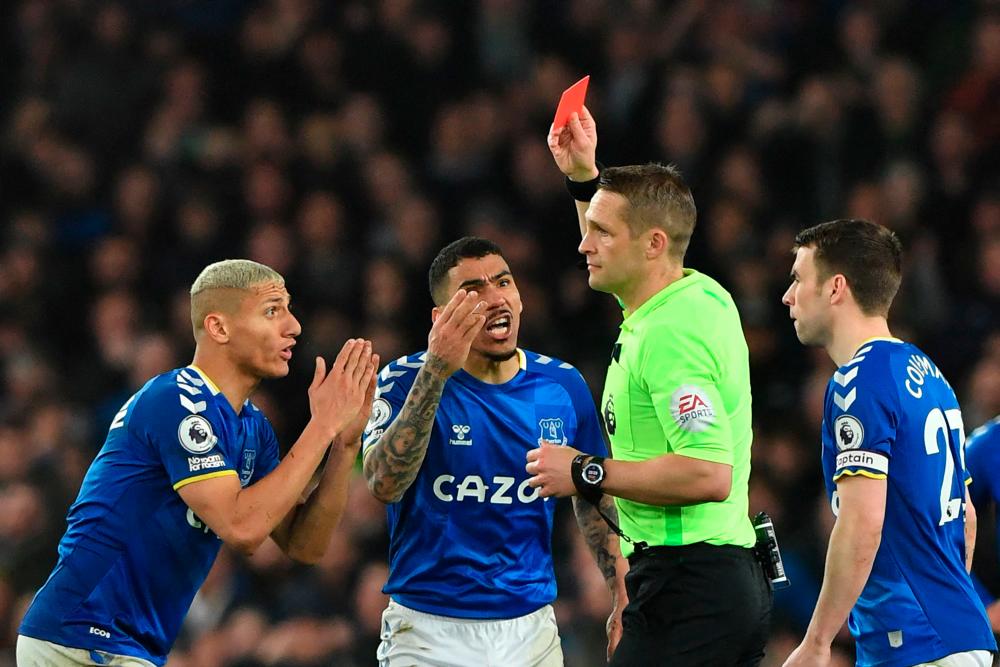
(470,564)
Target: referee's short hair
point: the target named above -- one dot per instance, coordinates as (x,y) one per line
(868,255)
(657,196)
(468,247)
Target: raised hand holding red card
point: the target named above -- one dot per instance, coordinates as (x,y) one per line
(571,102)
(574,146)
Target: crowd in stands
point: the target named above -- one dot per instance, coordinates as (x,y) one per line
(343,143)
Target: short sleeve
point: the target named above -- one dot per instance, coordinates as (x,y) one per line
(589,436)
(862,418)
(681,375)
(183,431)
(394,385)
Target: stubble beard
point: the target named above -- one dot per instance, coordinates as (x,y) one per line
(810,337)
(498,357)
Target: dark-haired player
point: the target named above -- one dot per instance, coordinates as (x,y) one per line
(471,578)
(893,463)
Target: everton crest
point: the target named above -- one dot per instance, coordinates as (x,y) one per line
(552,431)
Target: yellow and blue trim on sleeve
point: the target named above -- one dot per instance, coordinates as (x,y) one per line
(861,462)
(862,473)
(207,475)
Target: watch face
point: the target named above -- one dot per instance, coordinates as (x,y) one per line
(593,473)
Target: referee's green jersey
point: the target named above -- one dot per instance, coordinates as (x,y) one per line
(679,383)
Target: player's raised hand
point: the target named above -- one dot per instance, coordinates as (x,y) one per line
(454,329)
(574,147)
(351,435)
(336,398)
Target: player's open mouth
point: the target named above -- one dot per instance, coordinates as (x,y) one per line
(499,327)
(286,354)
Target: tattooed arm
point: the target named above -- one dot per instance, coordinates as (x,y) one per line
(393,462)
(603,544)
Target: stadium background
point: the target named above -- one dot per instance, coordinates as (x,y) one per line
(344,142)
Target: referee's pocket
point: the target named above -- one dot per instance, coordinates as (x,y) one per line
(645,606)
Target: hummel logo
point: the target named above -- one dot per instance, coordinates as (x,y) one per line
(460,431)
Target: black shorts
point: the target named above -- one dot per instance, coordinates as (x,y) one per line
(699,605)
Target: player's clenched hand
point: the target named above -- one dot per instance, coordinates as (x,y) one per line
(574,146)
(549,466)
(337,398)
(454,329)
(809,655)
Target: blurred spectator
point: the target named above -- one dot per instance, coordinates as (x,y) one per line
(342,143)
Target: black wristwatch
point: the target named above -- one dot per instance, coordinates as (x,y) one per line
(587,473)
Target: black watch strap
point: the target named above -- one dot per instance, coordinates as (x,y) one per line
(584,190)
(587,473)
(592,492)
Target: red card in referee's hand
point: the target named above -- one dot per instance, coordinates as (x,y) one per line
(570,102)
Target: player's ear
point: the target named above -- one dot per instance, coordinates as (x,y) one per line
(838,289)
(656,243)
(435,313)
(217,328)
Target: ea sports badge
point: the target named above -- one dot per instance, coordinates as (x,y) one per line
(195,434)
(692,409)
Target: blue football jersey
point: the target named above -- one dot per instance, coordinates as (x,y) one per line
(134,554)
(982,456)
(889,413)
(470,538)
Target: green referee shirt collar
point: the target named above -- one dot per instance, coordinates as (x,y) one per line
(631,320)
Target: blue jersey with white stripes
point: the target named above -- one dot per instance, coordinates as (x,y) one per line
(134,554)
(889,413)
(982,456)
(470,538)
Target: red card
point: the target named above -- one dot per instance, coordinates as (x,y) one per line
(571,101)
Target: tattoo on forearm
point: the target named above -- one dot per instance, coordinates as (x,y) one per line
(393,464)
(596,532)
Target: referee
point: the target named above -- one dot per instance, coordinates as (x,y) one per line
(677,409)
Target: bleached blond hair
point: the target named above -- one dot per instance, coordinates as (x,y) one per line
(216,287)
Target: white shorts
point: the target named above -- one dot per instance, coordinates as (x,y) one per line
(33,652)
(411,638)
(965,659)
